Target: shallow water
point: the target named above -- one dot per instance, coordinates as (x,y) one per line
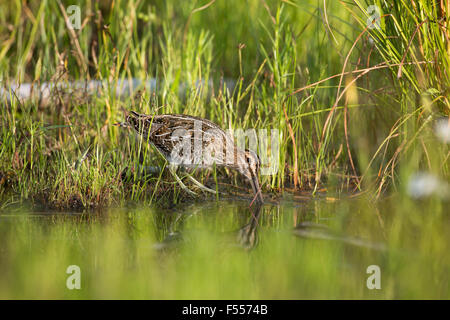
(318,248)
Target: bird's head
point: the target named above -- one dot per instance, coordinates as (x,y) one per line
(133,120)
(252,161)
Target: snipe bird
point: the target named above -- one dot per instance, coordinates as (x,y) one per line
(204,144)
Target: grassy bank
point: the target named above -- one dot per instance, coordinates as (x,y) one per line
(355,106)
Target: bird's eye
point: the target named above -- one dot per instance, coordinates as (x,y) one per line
(249,160)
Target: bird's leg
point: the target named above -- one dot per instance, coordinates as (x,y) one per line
(200,185)
(173,171)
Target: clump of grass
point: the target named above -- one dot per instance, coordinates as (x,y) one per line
(349,118)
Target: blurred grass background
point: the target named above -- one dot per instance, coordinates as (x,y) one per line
(356,109)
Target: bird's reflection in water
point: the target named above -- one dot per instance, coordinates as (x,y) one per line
(245,236)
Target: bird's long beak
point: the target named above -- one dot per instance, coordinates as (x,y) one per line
(257,190)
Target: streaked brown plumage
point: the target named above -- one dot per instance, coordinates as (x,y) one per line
(208,144)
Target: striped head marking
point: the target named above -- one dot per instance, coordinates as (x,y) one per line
(136,121)
(252,161)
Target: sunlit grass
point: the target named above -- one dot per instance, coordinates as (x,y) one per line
(356,109)
(63,151)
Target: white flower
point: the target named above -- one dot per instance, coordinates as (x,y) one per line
(422,185)
(442,130)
